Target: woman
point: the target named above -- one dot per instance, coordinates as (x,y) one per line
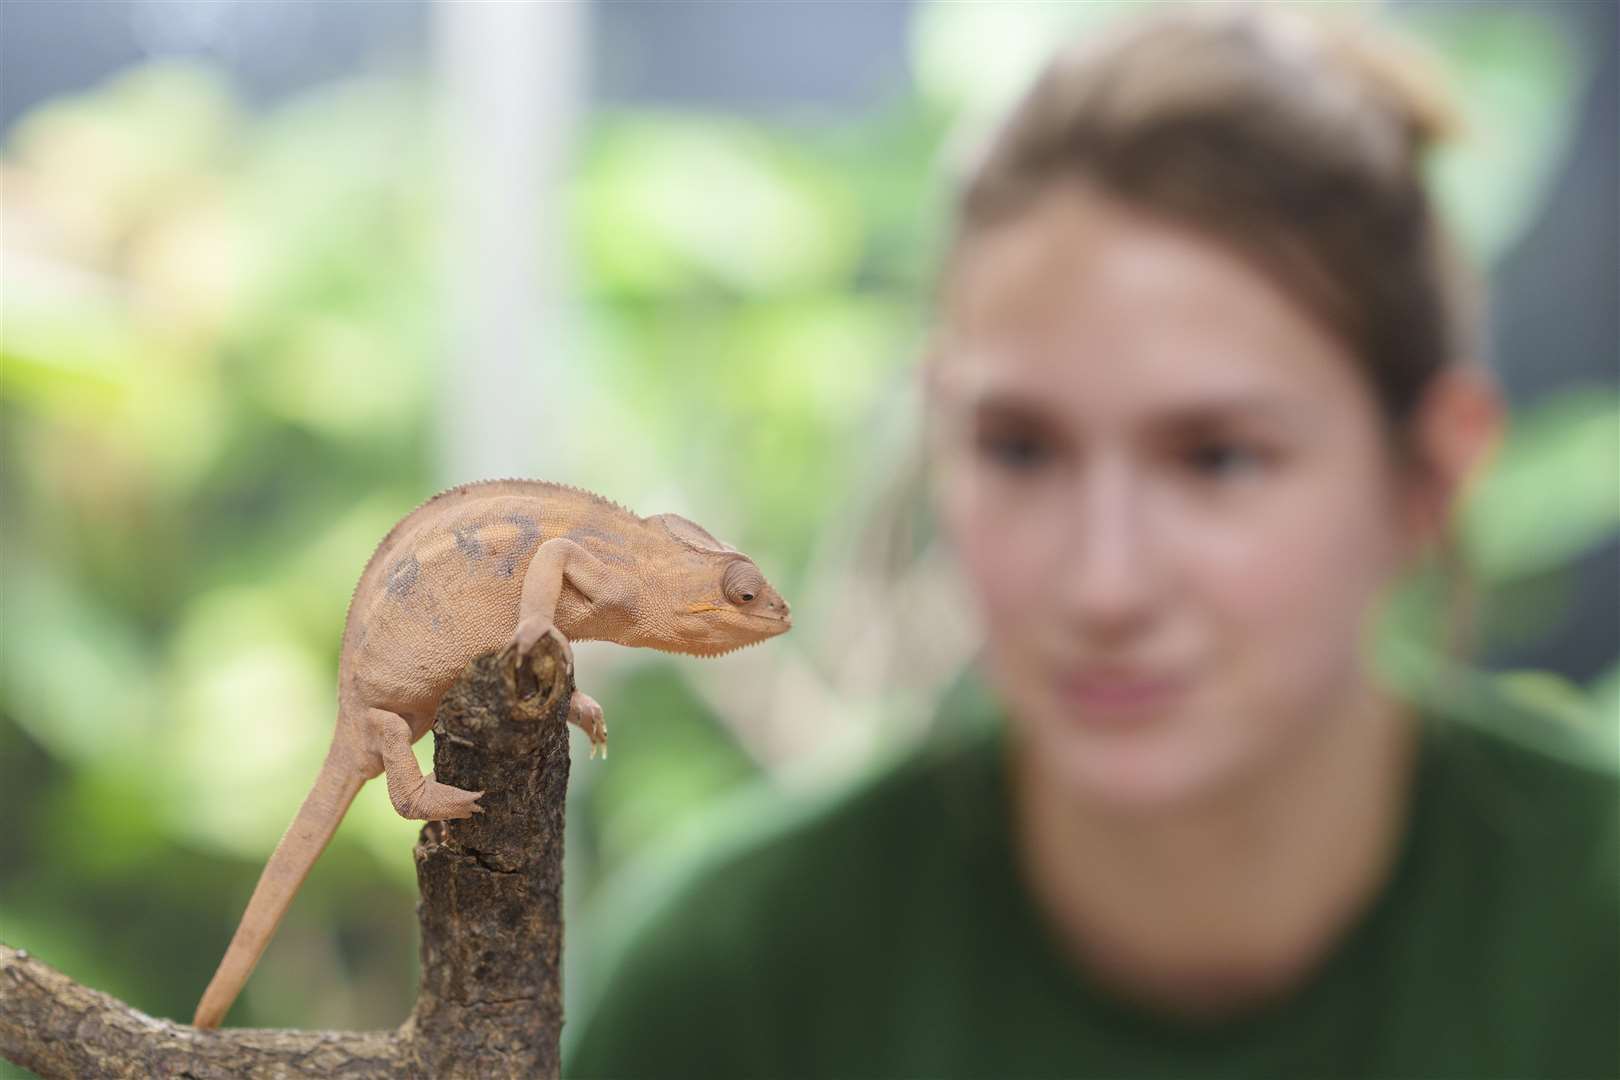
(1205,386)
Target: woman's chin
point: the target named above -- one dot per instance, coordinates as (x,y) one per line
(1155,765)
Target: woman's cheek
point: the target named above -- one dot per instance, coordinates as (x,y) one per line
(990,536)
(1294,593)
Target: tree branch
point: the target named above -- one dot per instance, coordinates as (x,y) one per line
(490,1000)
(491,908)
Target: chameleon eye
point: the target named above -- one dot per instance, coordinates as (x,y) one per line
(741,582)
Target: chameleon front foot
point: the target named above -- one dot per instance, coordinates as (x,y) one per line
(531,630)
(585,714)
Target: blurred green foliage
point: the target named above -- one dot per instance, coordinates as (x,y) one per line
(221,340)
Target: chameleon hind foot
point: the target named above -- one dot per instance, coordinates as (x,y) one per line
(416,797)
(585,714)
(434,801)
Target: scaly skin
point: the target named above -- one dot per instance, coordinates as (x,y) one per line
(474,569)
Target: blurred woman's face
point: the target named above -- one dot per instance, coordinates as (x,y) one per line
(1168,489)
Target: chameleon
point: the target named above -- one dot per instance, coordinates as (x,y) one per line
(478,567)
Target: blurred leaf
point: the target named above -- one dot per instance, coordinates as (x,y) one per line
(1605,695)
(1554,493)
(1551,694)
(250,704)
(675,202)
(344,377)
(954,68)
(75,673)
(101,162)
(341,181)
(65,358)
(1517,76)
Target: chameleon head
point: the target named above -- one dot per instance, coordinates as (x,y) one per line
(734,606)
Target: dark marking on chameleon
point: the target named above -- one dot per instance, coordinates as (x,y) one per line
(402,576)
(606,547)
(528,533)
(467,541)
(591,532)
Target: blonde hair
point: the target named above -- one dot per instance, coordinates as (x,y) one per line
(1297,140)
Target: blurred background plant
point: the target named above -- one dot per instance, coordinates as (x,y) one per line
(232,358)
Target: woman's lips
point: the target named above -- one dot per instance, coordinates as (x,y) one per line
(1122,697)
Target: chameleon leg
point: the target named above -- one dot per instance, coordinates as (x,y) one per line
(585,714)
(417,797)
(555,560)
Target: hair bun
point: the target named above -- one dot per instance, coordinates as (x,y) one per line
(1406,79)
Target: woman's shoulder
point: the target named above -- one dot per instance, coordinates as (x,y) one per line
(1519,807)
(1509,900)
(772,887)
(1528,749)
(765,844)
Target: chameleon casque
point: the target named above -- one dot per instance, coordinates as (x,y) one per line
(476,568)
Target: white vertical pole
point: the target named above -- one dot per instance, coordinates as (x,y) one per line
(511,74)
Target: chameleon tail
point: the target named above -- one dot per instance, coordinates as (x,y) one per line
(335,788)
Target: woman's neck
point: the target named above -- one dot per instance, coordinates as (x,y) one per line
(1210,909)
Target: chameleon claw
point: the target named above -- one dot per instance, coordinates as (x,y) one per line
(585,714)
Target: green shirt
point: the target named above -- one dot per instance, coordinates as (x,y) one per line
(886,932)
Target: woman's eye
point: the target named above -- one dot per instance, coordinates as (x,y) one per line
(1018,452)
(1218,459)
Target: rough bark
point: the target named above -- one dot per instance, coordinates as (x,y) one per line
(491,907)
(490,1000)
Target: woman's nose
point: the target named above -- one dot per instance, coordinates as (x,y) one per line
(1108,568)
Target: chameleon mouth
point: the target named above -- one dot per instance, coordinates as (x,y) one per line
(706,650)
(784,621)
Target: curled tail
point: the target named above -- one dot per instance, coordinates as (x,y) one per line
(303,842)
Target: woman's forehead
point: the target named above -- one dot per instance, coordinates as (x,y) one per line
(1077,293)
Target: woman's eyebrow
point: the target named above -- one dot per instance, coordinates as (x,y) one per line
(1000,405)
(1225,410)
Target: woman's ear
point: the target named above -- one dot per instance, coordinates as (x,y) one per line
(1458,428)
